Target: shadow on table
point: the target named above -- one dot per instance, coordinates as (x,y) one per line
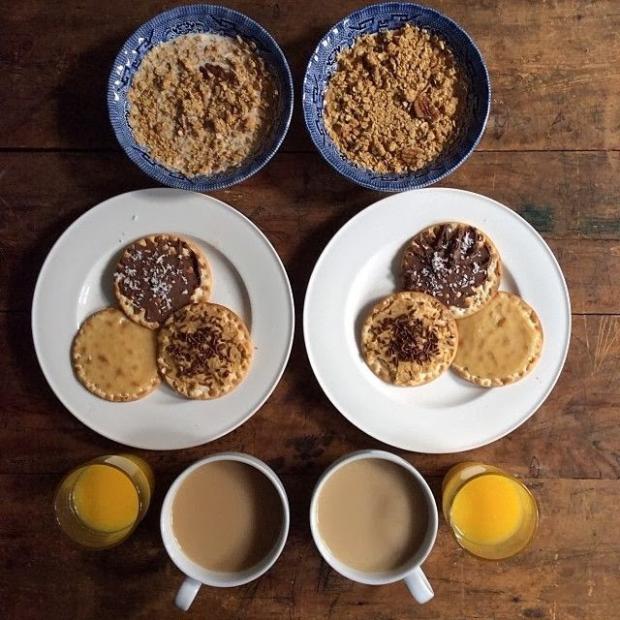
(298,53)
(305,384)
(82,109)
(95,171)
(21,287)
(83,123)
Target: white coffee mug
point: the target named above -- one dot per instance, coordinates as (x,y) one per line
(410,572)
(197,575)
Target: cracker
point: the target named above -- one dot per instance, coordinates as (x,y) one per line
(456,263)
(205,351)
(114,358)
(157,275)
(409,338)
(500,344)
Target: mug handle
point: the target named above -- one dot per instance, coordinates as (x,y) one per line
(187,593)
(419,586)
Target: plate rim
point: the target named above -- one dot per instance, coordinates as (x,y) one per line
(52,383)
(566,296)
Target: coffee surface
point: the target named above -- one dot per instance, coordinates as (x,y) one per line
(227,516)
(372,514)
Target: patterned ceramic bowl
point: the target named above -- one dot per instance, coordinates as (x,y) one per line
(389,16)
(184,20)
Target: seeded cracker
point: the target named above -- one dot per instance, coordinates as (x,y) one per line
(202,103)
(159,274)
(455,263)
(409,339)
(205,351)
(395,100)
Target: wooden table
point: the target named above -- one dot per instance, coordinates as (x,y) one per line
(551,152)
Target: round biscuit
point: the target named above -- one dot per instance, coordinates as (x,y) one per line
(114,358)
(500,344)
(201,293)
(377,338)
(204,351)
(481,294)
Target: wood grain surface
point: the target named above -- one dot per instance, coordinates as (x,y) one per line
(551,152)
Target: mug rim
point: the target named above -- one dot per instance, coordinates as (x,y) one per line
(385,577)
(216,578)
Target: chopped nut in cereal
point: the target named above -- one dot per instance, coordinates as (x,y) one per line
(395,100)
(202,103)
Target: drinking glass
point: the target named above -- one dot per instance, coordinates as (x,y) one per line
(489,510)
(138,473)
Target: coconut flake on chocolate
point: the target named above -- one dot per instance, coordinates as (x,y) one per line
(448,262)
(158,275)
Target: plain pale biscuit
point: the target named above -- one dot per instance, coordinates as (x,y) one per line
(500,344)
(409,338)
(114,358)
(205,350)
(157,275)
(455,263)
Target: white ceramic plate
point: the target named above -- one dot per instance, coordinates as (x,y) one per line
(76,280)
(361,264)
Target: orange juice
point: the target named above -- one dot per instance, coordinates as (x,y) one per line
(489,509)
(492,514)
(105,499)
(100,503)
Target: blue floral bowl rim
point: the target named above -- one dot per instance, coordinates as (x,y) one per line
(378,184)
(288,99)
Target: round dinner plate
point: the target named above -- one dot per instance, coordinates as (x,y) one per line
(76,280)
(361,264)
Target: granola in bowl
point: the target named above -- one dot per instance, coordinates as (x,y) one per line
(202,103)
(395,100)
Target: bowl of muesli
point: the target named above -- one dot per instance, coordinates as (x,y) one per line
(396,96)
(200,97)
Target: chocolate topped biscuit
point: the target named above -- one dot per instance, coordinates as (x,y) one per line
(409,338)
(157,275)
(205,351)
(455,263)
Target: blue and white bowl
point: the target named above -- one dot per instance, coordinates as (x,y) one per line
(389,16)
(185,20)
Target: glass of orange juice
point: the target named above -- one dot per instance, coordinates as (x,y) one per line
(493,515)
(100,503)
